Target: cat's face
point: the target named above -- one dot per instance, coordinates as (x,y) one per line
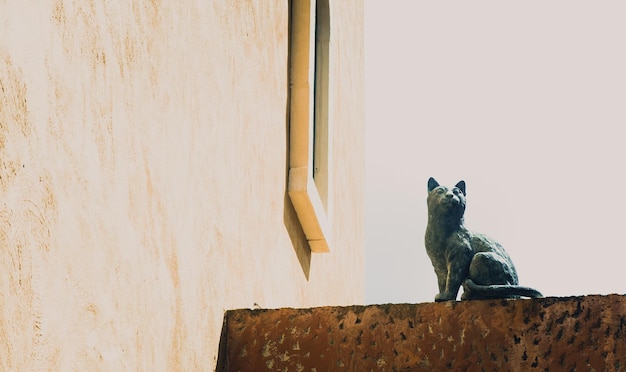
(445,200)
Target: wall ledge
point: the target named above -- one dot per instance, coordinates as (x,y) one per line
(547,334)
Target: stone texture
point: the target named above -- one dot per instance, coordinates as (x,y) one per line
(550,334)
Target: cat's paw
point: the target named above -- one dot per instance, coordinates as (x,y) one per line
(445,296)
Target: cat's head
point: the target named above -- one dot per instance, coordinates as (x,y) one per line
(443,200)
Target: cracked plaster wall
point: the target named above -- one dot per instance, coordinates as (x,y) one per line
(143,153)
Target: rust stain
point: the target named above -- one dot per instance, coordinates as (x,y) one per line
(178,333)
(58,13)
(49,199)
(14,112)
(9,170)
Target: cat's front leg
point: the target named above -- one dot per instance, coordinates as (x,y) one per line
(458,269)
(453,284)
(445,296)
(442,280)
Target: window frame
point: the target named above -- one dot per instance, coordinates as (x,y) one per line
(310,202)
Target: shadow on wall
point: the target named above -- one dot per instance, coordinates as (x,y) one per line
(298,240)
(292,224)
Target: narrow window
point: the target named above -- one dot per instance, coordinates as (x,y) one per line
(320,119)
(309,146)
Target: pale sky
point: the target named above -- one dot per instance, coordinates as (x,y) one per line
(525,101)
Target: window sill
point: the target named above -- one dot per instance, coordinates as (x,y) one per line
(309,208)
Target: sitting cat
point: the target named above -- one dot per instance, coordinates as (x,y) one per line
(462,257)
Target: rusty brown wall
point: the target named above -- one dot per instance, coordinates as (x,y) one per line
(551,334)
(143,153)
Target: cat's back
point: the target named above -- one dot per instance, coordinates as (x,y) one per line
(483,243)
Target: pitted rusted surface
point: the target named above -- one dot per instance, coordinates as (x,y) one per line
(551,334)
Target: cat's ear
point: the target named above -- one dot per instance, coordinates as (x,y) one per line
(432,183)
(461,186)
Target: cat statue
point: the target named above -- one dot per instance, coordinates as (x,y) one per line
(463,257)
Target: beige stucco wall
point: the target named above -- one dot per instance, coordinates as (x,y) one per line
(143,155)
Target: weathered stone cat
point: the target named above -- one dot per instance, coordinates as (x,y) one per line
(463,257)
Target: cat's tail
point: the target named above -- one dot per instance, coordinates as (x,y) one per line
(478,291)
